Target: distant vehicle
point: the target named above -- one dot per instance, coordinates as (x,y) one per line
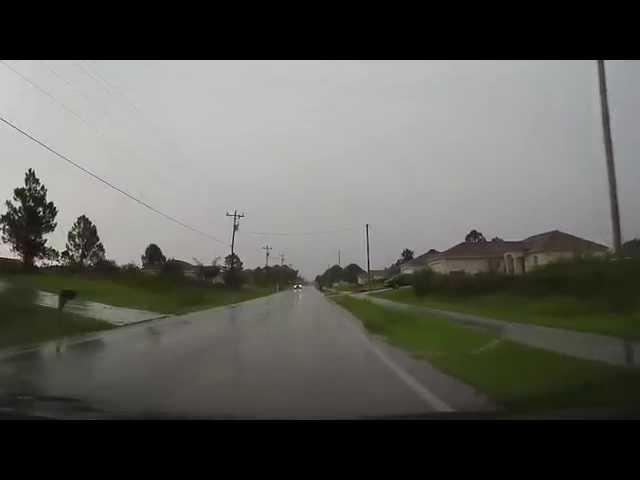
(297,286)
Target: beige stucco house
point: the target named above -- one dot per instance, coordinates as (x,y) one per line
(511,257)
(419,263)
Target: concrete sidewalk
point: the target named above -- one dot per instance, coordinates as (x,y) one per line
(589,346)
(118,316)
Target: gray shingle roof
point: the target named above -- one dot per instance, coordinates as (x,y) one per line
(557,241)
(422,259)
(553,241)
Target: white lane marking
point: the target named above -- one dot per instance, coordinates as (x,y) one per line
(424,393)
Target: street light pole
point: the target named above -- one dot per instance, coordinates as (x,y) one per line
(611,170)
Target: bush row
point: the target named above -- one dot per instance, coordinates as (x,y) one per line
(612,283)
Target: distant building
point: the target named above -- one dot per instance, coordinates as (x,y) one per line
(376,276)
(418,263)
(511,257)
(187,269)
(9,264)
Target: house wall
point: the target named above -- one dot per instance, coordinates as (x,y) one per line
(467,265)
(412,269)
(544,258)
(439,266)
(191,273)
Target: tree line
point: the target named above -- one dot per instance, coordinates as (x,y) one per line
(30,216)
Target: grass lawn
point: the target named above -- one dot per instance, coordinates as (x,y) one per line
(164,295)
(559,312)
(22,322)
(352,287)
(520,378)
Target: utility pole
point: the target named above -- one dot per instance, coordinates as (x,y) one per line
(611,170)
(268,249)
(281,259)
(338,257)
(368,258)
(236,223)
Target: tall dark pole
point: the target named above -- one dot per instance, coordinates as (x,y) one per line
(611,170)
(268,249)
(338,257)
(368,258)
(236,222)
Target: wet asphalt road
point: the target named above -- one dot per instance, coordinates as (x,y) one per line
(289,355)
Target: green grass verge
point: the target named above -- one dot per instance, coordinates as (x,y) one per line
(558,312)
(22,322)
(520,378)
(145,292)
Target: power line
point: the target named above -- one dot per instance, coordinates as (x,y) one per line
(45,92)
(67,82)
(321,232)
(99,132)
(110,185)
(114,91)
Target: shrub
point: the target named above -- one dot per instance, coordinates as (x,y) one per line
(234,278)
(105,266)
(424,282)
(130,268)
(603,283)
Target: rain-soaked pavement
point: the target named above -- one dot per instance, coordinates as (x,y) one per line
(289,355)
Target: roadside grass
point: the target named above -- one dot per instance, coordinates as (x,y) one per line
(163,294)
(551,311)
(22,322)
(519,378)
(349,287)
(355,288)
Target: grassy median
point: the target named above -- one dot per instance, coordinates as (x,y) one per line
(163,294)
(520,378)
(22,322)
(552,311)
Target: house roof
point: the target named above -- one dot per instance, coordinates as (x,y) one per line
(482,249)
(182,263)
(158,266)
(422,259)
(553,241)
(10,261)
(557,241)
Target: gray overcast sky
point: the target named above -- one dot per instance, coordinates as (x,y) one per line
(424,151)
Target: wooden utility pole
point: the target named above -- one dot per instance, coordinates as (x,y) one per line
(368,258)
(611,170)
(338,257)
(236,223)
(281,259)
(268,249)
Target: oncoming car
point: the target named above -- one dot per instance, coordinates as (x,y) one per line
(297,286)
